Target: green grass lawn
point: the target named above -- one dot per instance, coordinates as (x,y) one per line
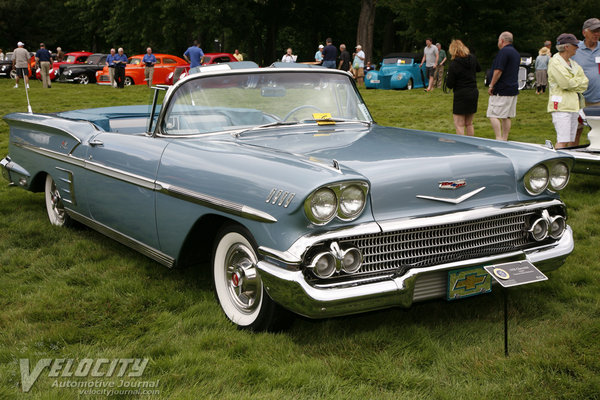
(74,294)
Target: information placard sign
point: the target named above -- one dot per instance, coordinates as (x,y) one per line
(515,273)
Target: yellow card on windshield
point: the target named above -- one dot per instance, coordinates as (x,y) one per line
(323,118)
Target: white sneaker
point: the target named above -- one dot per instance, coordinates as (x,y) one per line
(16,86)
(28,86)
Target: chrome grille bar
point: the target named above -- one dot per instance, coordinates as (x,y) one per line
(426,246)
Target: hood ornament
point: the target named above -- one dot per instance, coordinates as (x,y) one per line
(453,201)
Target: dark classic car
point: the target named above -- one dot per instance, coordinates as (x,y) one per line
(74,57)
(6,67)
(304,203)
(83,73)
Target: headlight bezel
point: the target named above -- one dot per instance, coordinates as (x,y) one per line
(338,189)
(551,171)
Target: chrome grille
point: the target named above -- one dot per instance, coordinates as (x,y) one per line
(422,247)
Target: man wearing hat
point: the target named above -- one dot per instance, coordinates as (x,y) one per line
(21,63)
(319,54)
(588,57)
(358,65)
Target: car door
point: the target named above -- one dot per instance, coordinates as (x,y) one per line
(166,66)
(121,170)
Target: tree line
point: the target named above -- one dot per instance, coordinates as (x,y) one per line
(263,29)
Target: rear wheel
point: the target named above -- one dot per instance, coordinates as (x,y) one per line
(128,81)
(410,84)
(238,286)
(54,205)
(84,79)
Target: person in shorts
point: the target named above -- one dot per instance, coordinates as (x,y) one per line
(431,57)
(20,62)
(358,65)
(504,87)
(566,81)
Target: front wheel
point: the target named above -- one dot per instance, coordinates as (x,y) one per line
(54,205)
(84,79)
(238,286)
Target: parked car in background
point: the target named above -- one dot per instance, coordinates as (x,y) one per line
(398,71)
(83,73)
(75,57)
(209,59)
(6,68)
(134,70)
(587,157)
(304,203)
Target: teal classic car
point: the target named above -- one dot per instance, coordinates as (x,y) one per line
(302,202)
(398,71)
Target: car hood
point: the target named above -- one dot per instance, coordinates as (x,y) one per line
(405,167)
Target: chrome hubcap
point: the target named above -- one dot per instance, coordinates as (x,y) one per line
(57,205)
(244,285)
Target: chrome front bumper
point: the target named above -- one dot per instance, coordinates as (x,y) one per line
(291,290)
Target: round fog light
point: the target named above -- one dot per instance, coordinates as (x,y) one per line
(352,261)
(324,265)
(557,226)
(539,229)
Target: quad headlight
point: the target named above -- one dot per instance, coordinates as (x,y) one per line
(346,200)
(553,175)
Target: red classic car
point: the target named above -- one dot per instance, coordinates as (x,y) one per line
(75,57)
(134,70)
(209,58)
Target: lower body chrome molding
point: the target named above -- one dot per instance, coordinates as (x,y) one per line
(290,289)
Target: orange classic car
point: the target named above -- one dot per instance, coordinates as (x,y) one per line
(134,70)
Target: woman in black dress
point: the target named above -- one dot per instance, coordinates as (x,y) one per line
(461,78)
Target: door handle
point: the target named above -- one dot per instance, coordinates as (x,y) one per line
(96,142)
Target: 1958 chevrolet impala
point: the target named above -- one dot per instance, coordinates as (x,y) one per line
(303,201)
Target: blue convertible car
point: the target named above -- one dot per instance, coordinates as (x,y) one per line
(398,71)
(302,201)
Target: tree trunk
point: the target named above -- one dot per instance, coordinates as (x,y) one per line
(366,23)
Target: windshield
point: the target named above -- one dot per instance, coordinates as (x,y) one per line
(244,101)
(398,60)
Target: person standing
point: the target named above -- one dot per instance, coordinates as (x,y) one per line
(541,70)
(439,71)
(504,87)
(194,55)
(566,80)
(548,45)
(110,63)
(344,64)
(329,54)
(588,57)
(358,65)
(430,58)
(20,61)
(43,59)
(461,78)
(149,60)
(288,57)
(319,54)
(60,55)
(2,56)
(238,56)
(120,62)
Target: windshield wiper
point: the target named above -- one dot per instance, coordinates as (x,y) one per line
(270,124)
(367,123)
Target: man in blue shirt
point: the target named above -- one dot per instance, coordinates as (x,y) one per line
(194,55)
(504,87)
(329,54)
(120,62)
(110,63)
(588,57)
(43,58)
(149,60)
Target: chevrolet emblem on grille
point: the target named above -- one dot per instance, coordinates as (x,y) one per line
(452,185)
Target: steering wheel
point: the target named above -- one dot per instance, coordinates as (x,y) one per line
(296,109)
